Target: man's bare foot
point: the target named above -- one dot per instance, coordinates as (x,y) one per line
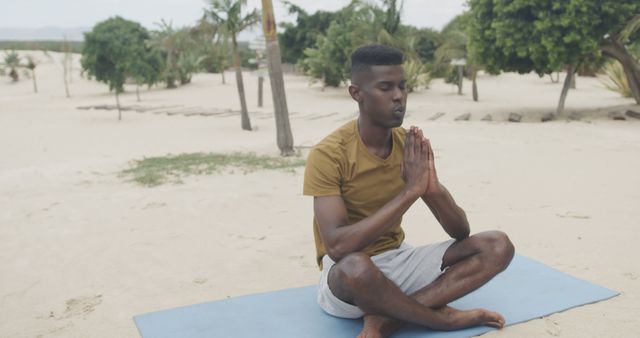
(463,319)
(382,327)
(490,318)
(378,327)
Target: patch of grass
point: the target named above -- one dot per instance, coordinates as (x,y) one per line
(154,171)
(615,79)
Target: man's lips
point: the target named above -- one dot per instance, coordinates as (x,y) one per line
(400,110)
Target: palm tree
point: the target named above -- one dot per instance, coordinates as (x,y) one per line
(617,45)
(31,65)
(228,14)
(12,61)
(278,93)
(453,45)
(215,43)
(165,41)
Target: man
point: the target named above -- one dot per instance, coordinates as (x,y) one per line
(364,177)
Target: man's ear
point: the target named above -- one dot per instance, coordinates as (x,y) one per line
(354,91)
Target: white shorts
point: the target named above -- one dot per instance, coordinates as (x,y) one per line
(409,268)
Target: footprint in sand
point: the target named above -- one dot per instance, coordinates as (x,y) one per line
(261,238)
(552,327)
(154,205)
(569,214)
(200,280)
(81,306)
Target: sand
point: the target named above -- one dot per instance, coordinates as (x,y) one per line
(83,249)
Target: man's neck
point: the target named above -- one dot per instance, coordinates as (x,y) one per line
(376,139)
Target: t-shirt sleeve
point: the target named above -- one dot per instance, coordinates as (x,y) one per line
(321,175)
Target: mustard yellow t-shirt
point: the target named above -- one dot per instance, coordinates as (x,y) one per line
(341,165)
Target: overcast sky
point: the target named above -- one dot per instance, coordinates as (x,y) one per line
(86,13)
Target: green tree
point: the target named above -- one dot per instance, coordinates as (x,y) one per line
(304,33)
(147,69)
(164,40)
(416,75)
(211,39)
(229,14)
(452,45)
(12,62)
(544,36)
(362,23)
(354,25)
(110,50)
(624,46)
(424,42)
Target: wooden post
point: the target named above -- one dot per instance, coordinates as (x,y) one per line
(283,128)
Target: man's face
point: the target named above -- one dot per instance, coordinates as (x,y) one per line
(382,95)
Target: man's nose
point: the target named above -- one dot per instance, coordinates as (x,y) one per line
(397,94)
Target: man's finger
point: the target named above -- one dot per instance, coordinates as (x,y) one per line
(432,161)
(424,150)
(406,143)
(409,145)
(417,144)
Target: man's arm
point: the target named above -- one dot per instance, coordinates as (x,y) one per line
(450,216)
(341,238)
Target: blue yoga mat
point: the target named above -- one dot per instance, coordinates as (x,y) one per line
(525,290)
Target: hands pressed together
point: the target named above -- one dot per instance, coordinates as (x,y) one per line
(418,167)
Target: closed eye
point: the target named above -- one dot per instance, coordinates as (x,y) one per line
(384,86)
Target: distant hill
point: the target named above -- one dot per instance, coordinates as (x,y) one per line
(43,33)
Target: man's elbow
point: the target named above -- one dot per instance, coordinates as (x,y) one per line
(461,232)
(336,252)
(462,235)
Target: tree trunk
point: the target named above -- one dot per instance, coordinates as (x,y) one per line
(260,85)
(244,113)
(65,75)
(70,61)
(611,48)
(138,91)
(118,104)
(35,84)
(474,86)
(65,65)
(460,75)
(223,64)
(565,89)
(283,128)
(13,74)
(573,79)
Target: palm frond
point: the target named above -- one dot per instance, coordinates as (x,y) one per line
(615,79)
(632,26)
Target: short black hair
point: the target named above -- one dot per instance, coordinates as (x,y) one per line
(374,55)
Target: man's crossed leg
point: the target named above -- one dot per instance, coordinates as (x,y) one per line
(469,264)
